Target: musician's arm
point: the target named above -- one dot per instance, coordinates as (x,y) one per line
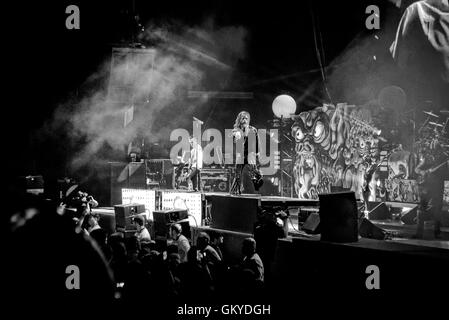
(236,134)
(418,169)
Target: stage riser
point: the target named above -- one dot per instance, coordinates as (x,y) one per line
(327,268)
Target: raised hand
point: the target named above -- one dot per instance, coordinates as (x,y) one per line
(237,134)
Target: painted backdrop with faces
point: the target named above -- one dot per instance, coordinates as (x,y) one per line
(332,146)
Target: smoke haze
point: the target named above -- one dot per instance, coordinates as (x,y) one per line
(153,83)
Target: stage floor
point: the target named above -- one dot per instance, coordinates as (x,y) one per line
(406,231)
(442,244)
(401,233)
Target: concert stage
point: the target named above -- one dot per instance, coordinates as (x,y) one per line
(398,231)
(239,213)
(295,205)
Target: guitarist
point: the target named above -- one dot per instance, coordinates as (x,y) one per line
(370,170)
(431,175)
(195,164)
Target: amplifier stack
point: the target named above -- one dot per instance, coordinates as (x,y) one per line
(215,180)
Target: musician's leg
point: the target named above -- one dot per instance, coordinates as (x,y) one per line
(196,181)
(253,174)
(176,181)
(422,213)
(235,187)
(194,178)
(198,178)
(190,179)
(178,177)
(436,199)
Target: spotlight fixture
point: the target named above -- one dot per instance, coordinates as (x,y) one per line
(284,106)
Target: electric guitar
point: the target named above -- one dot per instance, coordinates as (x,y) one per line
(375,165)
(423,175)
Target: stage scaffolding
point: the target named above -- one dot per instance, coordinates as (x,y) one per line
(285,157)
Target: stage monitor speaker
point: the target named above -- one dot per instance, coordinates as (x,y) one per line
(368,230)
(338,217)
(410,216)
(233,213)
(163,219)
(125,212)
(312,223)
(379,212)
(169,216)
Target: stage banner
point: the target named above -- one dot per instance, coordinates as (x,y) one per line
(333,145)
(141,196)
(190,201)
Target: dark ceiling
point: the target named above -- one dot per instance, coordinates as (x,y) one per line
(48,63)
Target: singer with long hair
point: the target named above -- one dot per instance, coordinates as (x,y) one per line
(247,151)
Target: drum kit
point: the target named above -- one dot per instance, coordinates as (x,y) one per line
(432,135)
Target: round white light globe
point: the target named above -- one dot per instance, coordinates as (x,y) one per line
(283,106)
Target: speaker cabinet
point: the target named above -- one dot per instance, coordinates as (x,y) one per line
(338,217)
(215,180)
(368,230)
(163,219)
(124,214)
(379,212)
(410,216)
(234,213)
(169,216)
(312,223)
